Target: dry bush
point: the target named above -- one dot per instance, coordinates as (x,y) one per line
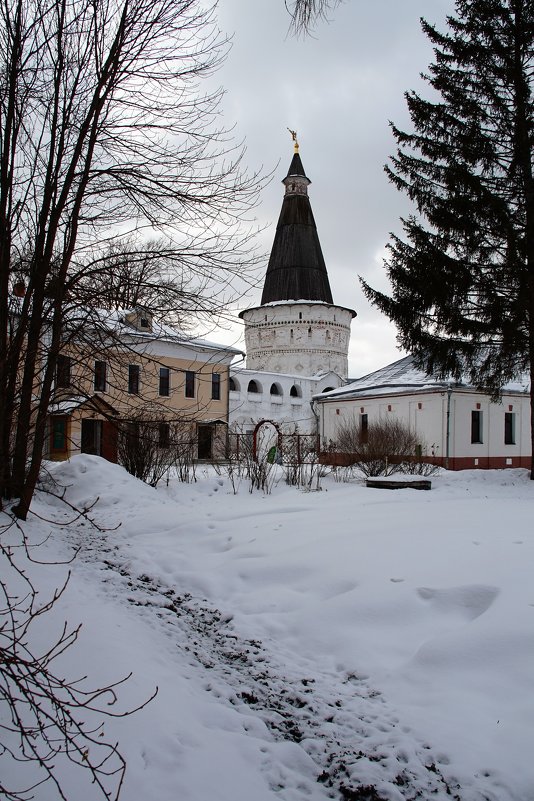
(381,449)
(139,450)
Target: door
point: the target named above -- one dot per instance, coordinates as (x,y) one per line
(205,441)
(59,437)
(99,437)
(92,436)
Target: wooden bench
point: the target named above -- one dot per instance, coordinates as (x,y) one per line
(398,483)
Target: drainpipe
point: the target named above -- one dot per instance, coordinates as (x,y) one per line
(317,433)
(448,429)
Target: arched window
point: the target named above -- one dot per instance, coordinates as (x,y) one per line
(233,385)
(253,386)
(327,389)
(276,389)
(295,391)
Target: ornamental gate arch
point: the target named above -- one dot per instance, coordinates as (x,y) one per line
(290,448)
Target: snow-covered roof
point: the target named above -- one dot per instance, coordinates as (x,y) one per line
(70,404)
(403,376)
(115,322)
(67,405)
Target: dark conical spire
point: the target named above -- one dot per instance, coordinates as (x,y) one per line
(296,269)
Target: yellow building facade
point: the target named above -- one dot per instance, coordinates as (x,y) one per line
(132,374)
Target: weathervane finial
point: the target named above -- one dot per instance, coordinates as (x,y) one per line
(294,138)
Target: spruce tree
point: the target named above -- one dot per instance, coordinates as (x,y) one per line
(462,275)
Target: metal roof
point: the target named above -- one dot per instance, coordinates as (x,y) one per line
(296,269)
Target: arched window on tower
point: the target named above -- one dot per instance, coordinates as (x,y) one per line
(253,386)
(276,389)
(295,391)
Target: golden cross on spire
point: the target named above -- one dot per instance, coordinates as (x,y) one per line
(294,138)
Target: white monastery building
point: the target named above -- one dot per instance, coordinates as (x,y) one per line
(457,426)
(297,344)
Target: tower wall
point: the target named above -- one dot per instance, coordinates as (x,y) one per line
(298,338)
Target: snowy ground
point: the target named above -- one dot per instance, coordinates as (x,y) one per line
(343,644)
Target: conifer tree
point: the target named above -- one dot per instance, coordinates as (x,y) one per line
(462,275)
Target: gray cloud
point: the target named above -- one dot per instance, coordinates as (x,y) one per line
(338,88)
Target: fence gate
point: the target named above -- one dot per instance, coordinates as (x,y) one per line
(268,442)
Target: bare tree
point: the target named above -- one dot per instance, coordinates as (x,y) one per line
(47,719)
(103,131)
(150,446)
(304,13)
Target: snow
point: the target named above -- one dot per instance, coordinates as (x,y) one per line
(358,637)
(404,376)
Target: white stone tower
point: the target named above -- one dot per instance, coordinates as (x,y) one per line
(297,329)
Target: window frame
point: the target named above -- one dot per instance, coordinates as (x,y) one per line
(509,428)
(134,379)
(189,384)
(476,427)
(364,427)
(216,386)
(164,385)
(164,435)
(63,371)
(100,381)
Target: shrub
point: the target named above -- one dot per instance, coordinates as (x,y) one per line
(379,450)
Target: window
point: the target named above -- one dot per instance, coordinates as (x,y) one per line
(133,379)
(253,386)
(233,385)
(215,386)
(275,389)
(295,391)
(364,427)
(509,428)
(189,384)
(100,376)
(164,381)
(164,435)
(63,371)
(476,427)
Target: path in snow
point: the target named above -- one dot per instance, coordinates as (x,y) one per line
(361,750)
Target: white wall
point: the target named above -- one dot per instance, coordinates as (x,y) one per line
(247,408)
(426,413)
(298,338)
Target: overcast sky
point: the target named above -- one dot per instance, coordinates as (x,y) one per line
(338,88)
